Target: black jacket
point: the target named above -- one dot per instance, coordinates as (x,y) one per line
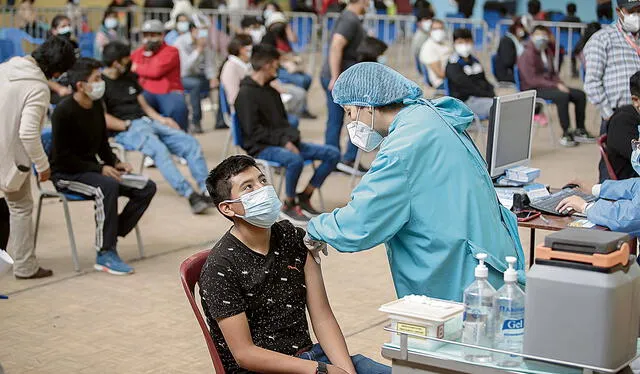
(463,82)
(623,128)
(262,118)
(506,59)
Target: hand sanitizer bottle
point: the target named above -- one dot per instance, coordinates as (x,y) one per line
(509,317)
(478,314)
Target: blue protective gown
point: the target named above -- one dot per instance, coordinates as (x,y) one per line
(429,198)
(618,207)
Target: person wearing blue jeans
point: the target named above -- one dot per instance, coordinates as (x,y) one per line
(301,80)
(138,127)
(171,105)
(197,87)
(335,120)
(362,364)
(268,134)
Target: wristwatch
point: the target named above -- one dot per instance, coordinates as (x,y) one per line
(322,368)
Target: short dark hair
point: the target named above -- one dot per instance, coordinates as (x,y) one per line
(263,54)
(462,34)
(238,41)
(82,70)
(634,84)
(55,55)
(109,12)
(57,20)
(248,21)
(370,49)
(424,13)
(218,183)
(540,28)
(571,8)
(534,6)
(115,51)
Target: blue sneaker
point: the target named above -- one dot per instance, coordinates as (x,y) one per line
(110,262)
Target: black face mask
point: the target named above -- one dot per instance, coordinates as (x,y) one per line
(153,46)
(126,69)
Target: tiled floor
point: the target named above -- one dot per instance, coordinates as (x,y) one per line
(97,323)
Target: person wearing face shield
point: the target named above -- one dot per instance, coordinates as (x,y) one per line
(622,130)
(158,68)
(613,56)
(537,72)
(259,280)
(466,77)
(423,23)
(428,196)
(435,53)
(197,70)
(79,135)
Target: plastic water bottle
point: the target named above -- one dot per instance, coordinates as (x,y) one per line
(478,314)
(509,317)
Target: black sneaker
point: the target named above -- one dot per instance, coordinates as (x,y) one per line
(582,136)
(307,115)
(568,141)
(294,214)
(196,128)
(198,204)
(208,199)
(347,167)
(305,204)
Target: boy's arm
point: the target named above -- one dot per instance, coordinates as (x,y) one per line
(251,357)
(324,323)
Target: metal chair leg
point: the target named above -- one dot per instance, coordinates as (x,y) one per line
(140,244)
(72,239)
(225,150)
(38,214)
(322,207)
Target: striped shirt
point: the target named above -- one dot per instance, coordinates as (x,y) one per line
(611,61)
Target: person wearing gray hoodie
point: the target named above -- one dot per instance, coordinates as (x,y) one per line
(24,100)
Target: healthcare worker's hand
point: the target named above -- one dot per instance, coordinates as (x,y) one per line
(315,247)
(576,203)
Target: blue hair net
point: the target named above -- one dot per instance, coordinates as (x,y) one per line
(373,84)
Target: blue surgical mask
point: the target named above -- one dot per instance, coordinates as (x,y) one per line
(261,207)
(364,136)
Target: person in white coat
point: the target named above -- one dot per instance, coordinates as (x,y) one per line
(24,100)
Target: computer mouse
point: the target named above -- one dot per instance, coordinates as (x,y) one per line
(571,186)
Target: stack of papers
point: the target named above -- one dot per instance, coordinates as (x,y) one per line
(523,174)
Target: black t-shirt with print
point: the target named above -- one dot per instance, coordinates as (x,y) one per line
(270,289)
(121,97)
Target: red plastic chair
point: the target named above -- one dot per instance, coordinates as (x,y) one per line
(602,145)
(190,274)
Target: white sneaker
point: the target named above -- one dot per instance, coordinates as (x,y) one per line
(148,162)
(567,141)
(348,169)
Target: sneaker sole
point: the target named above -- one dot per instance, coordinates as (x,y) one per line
(105,269)
(585,140)
(569,145)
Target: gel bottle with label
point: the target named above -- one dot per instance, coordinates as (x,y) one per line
(509,318)
(478,314)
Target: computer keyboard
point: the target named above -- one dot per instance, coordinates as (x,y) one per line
(549,203)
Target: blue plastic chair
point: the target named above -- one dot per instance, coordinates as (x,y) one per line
(6,50)
(86,42)
(303,27)
(492,17)
(16,37)
(65,198)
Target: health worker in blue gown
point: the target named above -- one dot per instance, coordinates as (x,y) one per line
(428,196)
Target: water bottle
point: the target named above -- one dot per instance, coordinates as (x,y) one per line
(509,318)
(478,314)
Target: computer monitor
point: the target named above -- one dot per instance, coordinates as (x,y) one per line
(510,132)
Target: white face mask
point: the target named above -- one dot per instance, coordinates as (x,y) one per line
(261,207)
(203,34)
(182,27)
(97,90)
(362,135)
(111,23)
(631,22)
(426,25)
(438,35)
(257,34)
(463,50)
(65,30)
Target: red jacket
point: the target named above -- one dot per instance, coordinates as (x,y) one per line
(532,72)
(159,73)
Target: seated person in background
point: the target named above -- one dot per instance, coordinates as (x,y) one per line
(435,53)
(182,26)
(252,27)
(423,18)
(61,26)
(571,14)
(291,71)
(158,68)
(258,281)
(466,78)
(197,69)
(108,32)
(622,129)
(138,127)
(510,48)
(268,134)
(537,72)
(79,135)
(372,50)
(237,66)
